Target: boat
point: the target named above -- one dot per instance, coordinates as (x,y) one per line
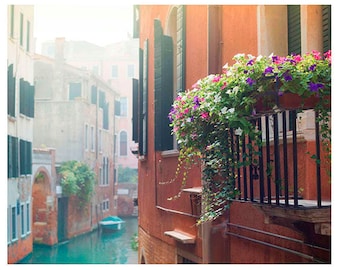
(112,223)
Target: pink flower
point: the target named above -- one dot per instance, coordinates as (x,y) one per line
(316,54)
(186,111)
(297,58)
(224,85)
(205,115)
(216,78)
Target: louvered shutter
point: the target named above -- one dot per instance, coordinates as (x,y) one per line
(145,98)
(135,110)
(163,93)
(10,91)
(181,48)
(294,29)
(326,28)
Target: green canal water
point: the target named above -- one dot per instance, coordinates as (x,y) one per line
(94,247)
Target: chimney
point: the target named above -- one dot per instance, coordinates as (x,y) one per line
(59,50)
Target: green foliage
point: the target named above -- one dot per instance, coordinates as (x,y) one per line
(127,175)
(134,242)
(77,179)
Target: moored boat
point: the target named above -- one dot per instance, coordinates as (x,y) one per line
(112,223)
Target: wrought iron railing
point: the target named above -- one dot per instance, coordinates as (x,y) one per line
(278,176)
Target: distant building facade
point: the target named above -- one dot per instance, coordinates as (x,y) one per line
(75,116)
(117,64)
(20,118)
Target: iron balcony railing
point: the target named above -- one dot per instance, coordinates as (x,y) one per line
(279,175)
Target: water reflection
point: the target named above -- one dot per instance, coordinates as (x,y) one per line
(94,247)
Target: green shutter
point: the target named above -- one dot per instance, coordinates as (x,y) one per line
(22,96)
(181,47)
(145,98)
(326,28)
(135,110)
(163,94)
(9,157)
(10,91)
(93,94)
(31,90)
(140,103)
(75,90)
(294,29)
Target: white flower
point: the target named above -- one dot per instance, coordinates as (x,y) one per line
(224,110)
(238,131)
(226,66)
(236,88)
(259,58)
(231,110)
(217,98)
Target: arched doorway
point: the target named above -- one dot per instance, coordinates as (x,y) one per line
(43,209)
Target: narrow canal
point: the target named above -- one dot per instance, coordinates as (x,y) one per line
(93,247)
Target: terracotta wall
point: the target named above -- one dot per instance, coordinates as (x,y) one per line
(20,249)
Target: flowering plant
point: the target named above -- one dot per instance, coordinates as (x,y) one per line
(205,118)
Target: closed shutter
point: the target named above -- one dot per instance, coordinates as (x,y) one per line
(93,94)
(10,91)
(294,29)
(75,90)
(106,116)
(163,94)
(326,28)
(25,157)
(22,96)
(181,48)
(30,111)
(144,123)
(135,110)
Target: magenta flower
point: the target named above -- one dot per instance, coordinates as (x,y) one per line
(314,87)
(216,79)
(205,115)
(268,70)
(250,81)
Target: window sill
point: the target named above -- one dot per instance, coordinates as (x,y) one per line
(170,153)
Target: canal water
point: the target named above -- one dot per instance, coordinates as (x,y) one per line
(94,247)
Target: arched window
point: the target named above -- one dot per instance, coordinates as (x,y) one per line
(123,143)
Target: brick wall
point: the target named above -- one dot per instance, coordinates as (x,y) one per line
(148,245)
(19,250)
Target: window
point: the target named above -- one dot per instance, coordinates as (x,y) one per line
(14,224)
(25,157)
(74,90)
(294,29)
(123,106)
(22,219)
(28,218)
(10,91)
(106,205)
(163,81)
(28,40)
(93,94)
(326,27)
(104,172)
(114,72)
(26,98)
(92,138)
(100,141)
(123,143)
(12,157)
(21,29)
(12,21)
(86,140)
(130,71)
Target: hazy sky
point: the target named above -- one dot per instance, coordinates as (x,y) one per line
(98,24)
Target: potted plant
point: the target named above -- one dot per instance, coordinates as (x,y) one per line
(207,117)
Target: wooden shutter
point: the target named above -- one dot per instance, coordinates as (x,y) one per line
(22,96)
(106,116)
(135,110)
(93,94)
(31,90)
(294,29)
(163,94)
(145,98)
(214,39)
(75,90)
(181,48)
(12,157)
(10,91)
(326,28)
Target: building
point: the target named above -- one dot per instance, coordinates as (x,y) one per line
(75,116)
(20,117)
(178,46)
(117,65)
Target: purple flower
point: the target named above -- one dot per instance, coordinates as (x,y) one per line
(196,102)
(287,76)
(250,62)
(312,67)
(268,70)
(250,81)
(314,87)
